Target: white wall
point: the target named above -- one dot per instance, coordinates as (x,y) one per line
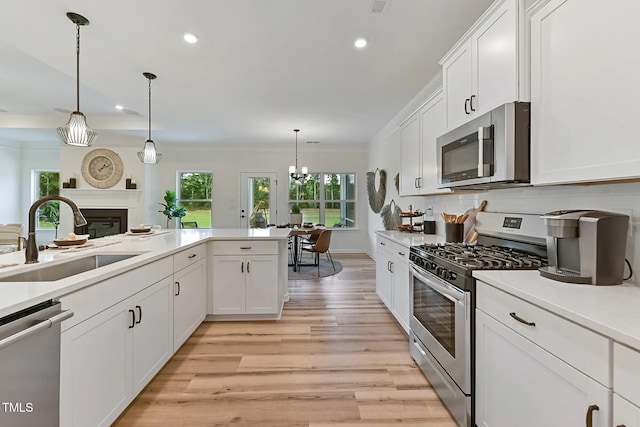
(226,163)
(10,177)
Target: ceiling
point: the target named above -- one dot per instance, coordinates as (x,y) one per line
(260,68)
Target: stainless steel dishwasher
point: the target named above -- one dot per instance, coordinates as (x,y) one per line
(30,366)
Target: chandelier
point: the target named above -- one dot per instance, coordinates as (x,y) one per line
(294,172)
(149,153)
(76,132)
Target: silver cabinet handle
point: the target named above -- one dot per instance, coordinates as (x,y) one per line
(192,256)
(177,289)
(45,324)
(245,247)
(589,420)
(521,320)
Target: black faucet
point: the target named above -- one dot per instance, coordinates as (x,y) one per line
(31,250)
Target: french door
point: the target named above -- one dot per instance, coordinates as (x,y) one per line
(257,199)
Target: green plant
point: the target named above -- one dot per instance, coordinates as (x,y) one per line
(171,208)
(295,208)
(51,214)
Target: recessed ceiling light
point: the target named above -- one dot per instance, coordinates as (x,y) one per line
(190,38)
(119,107)
(360,43)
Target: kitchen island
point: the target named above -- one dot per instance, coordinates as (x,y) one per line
(132,314)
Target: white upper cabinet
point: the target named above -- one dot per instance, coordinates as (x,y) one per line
(418,161)
(410,167)
(489,65)
(584,91)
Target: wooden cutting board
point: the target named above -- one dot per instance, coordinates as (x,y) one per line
(470,234)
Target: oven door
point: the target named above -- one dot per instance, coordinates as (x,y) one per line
(441,320)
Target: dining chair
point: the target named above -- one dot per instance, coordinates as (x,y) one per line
(189,224)
(321,246)
(10,238)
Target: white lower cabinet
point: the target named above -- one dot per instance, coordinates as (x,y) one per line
(107,359)
(189,301)
(521,384)
(625,413)
(392,279)
(245,278)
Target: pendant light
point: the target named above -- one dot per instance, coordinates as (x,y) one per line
(76,132)
(149,153)
(294,172)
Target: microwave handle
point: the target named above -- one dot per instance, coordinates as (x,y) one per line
(485,159)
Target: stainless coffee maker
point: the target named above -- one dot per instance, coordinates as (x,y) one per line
(586,246)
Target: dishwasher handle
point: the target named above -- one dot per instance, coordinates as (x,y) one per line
(44,324)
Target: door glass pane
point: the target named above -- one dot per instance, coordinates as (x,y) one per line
(259,198)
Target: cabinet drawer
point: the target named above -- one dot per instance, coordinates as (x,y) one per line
(393,248)
(189,256)
(626,375)
(579,347)
(245,247)
(625,413)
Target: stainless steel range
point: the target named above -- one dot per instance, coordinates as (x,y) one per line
(442,319)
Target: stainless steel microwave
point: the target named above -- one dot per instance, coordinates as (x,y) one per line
(490,151)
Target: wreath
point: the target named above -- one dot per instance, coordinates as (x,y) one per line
(376,197)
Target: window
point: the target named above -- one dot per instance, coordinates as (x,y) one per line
(47,183)
(326,198)
(194,193)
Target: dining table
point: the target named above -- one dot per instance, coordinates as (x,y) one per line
(296,233)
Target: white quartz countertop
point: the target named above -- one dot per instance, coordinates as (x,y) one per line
(410,239)
(15,296)
(613,311)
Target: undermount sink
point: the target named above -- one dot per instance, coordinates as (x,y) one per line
(55,272)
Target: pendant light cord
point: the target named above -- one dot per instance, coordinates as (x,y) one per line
(78,67)
(296,151)
(149,109)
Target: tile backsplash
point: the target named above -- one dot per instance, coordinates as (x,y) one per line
(620,197)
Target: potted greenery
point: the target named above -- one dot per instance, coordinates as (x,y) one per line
(295,214)
(51,214)
(171,209)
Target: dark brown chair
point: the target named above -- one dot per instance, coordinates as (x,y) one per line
(189,224)
(321,246)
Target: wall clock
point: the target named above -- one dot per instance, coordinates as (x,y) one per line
(102,168)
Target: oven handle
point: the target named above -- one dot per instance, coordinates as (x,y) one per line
(450,292)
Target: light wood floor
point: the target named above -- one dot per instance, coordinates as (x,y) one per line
(336,358)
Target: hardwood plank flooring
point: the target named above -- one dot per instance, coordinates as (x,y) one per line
(337,358)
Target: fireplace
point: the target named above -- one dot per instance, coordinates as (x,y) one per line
(103,222)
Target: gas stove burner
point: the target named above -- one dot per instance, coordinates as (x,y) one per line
(472,257)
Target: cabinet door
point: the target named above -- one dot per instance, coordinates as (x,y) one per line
(583,92)
(189,308)
(410,167)
(456,79)
(228,284)
(495,60)
(432,125)
(400,298)
(96,361)
(261,272)
(520,384)
(153,331)
(625,413)
(384,277)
